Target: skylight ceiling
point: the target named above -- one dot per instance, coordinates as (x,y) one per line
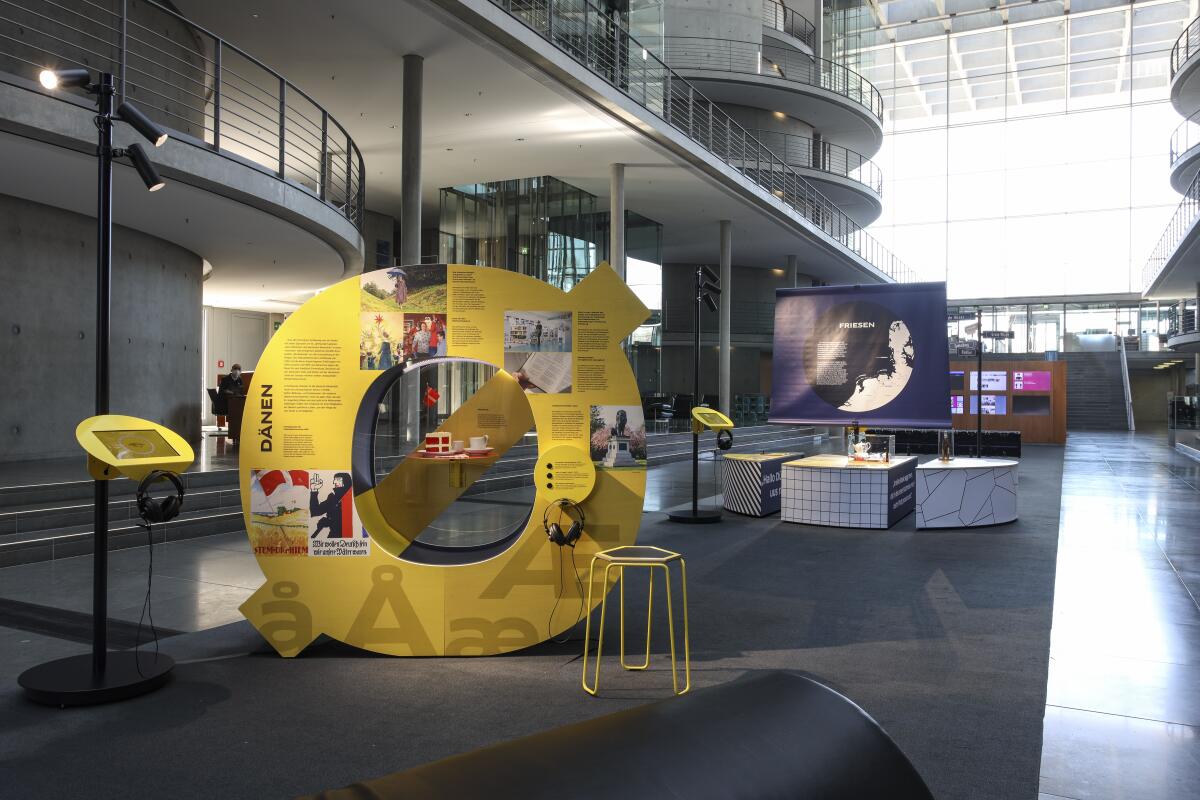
(1036,54)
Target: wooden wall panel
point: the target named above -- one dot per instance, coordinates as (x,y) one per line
(1042,429)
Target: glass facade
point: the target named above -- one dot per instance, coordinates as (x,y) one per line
(1063,327)
(1026,151)
(540,227)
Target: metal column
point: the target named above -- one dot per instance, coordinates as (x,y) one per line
(616,218)
(726,293)
(793,270)
(410,161)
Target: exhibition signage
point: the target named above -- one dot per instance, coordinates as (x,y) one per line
(342,547)
(960,316)
(874,355)
(997,335)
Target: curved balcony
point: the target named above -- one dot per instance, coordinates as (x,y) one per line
(779,19)
(850,180)
(827,95)
(1185,75)
(263,183)
(584,32)
(1167,272)
(1185,153)
(1183,333)
(204,90)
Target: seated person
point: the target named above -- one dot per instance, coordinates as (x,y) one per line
(232,383)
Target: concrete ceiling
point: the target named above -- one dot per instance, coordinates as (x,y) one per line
(259,260)
(487,116)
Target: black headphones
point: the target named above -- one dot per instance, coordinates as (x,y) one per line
(724,439)
(554,531)
(153,510)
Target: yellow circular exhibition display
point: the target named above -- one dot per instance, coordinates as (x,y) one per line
(342,550)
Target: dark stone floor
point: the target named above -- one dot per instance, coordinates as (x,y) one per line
(1121,707)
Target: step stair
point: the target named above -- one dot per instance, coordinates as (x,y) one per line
(41,522)
(1095,392)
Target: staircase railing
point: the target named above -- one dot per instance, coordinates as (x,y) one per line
(1125,383)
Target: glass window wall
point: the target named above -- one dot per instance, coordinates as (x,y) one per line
(1026,151)
(1046,327)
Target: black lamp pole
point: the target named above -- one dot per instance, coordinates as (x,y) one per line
(979,383)
(696,398)
(102,677)
(105,92)
(695,515)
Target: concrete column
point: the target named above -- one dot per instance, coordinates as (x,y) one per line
(793,270)
(616,218)
(410,161)
(726,293)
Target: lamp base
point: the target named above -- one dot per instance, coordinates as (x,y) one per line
(71,682)
(702,517)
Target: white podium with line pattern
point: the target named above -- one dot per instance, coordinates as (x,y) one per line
(966,493)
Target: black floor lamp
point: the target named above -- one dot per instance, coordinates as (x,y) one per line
(102,676)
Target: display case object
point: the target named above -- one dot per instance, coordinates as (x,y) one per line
(946,445)
(869,447)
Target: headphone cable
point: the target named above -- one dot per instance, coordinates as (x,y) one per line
(562,588)
(147,606)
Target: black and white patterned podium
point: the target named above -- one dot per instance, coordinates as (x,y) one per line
(839,492)
(966,493)
(752,482)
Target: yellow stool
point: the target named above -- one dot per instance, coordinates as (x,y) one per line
(651,558)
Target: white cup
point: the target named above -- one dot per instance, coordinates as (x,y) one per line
(478,442)
(457,446)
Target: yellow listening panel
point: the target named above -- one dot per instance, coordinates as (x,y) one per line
(337,548)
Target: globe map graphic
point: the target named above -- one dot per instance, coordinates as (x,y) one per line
(859,357)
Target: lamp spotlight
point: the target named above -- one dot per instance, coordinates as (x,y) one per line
(708,273)
(142,124)
(145,169)
(65,78)
(709,287)
(708,301)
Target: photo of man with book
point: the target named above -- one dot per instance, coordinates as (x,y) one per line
(537,350)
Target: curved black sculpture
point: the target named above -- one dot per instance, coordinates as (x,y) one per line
(768,735)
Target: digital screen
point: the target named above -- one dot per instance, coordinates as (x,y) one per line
(992,403)
(1037,381)
(135,444)
(956,378)
(996,381)
(1031,406)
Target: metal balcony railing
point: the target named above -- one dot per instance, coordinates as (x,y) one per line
(595,41)
(1185,46)
(1177,229)
(779,17)
(190,81)
(752,58)
(803,152)
(1181,317)
(1185,137)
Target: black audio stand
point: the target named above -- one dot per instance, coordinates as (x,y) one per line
(696,515)
(102,676)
